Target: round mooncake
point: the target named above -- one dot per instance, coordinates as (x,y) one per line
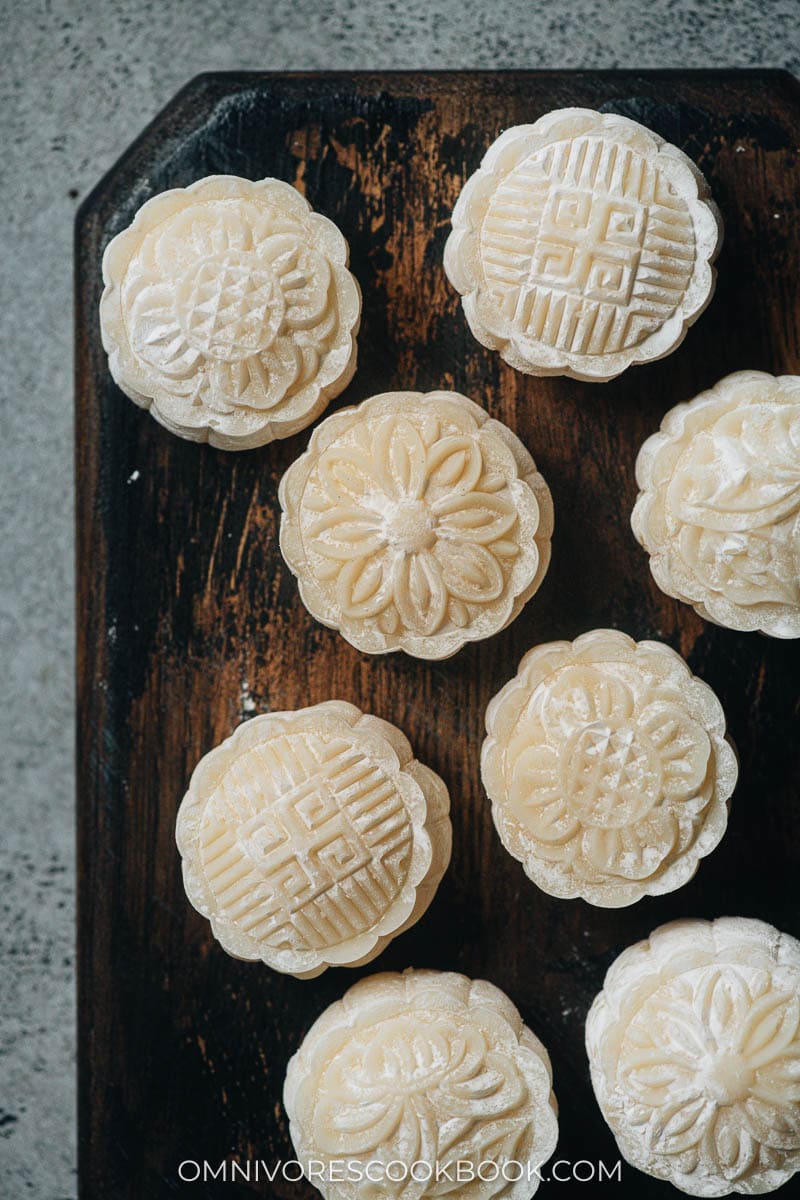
(582,244)
(719,506)
(694,1047)
(409,1075)
(608,769)
(312,838)
(415,522)
(229,312)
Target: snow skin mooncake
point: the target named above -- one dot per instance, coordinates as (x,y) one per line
(694,1048)
(415,522)
(582,244)
(719,506)
(608,769)
(229,312)
(409,1075)
(312,838)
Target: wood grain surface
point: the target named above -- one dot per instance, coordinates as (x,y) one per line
(189,621)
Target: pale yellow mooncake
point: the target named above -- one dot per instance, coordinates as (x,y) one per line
(229,311)
(312,838)
(608,768)
(415,522)
(412,1078)
(694,1048)
(719,506)
(583,243)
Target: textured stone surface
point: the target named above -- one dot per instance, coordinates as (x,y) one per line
(79,82)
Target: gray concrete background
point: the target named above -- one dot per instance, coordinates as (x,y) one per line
(79,80)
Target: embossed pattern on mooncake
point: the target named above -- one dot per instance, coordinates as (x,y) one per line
(583,244)
(719,506)
(229,312)
(313,837)
(608,769)
(694,1046)
(415,522)
(426,1067)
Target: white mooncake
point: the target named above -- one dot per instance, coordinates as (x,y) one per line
(415,522)
(694,1048)
(719,506)
(312,838)
(413,1075)
(608,769)
(229,311)
(582,244)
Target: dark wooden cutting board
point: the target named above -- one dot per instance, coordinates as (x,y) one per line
(188,620)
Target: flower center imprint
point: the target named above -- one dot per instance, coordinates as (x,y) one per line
(611,773)
(230,306)
(409,527)
(728,1079)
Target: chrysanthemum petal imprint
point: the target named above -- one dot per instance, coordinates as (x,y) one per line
(427,1068)
(694,1046)
(415,523)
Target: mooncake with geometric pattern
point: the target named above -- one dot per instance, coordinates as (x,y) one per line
(583,244)
(312,838)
